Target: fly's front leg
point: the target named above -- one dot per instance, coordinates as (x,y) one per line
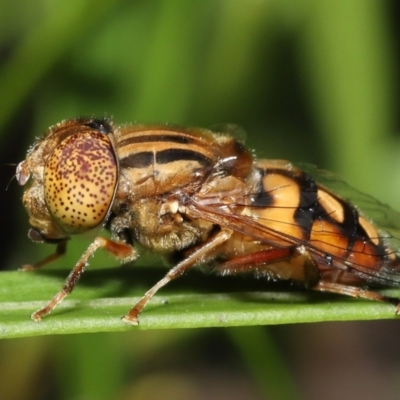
(60,250)
(175,272)
(120,250)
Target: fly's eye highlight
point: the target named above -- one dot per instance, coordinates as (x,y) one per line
(79,181)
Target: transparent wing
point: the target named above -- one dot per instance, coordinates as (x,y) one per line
(379,213)
(275,232)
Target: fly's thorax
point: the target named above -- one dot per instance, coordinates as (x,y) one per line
(162,165)
(155,160)
(70,178)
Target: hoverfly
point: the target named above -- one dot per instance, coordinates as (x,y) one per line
(201,198)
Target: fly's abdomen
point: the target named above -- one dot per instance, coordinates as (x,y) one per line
(283,200)
(351,242)
(296,211)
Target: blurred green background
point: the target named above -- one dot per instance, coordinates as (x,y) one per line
(312,80)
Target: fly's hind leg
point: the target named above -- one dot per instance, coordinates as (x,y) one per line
(295,262)
(357,292)
(286,263)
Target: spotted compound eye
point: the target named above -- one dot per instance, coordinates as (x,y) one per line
(79,181)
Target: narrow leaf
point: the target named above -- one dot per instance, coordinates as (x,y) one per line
(194,301)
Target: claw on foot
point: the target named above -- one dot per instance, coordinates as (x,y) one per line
(27,267)
(130,320)
(35,317)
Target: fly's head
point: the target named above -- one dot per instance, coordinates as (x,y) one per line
(70,177)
